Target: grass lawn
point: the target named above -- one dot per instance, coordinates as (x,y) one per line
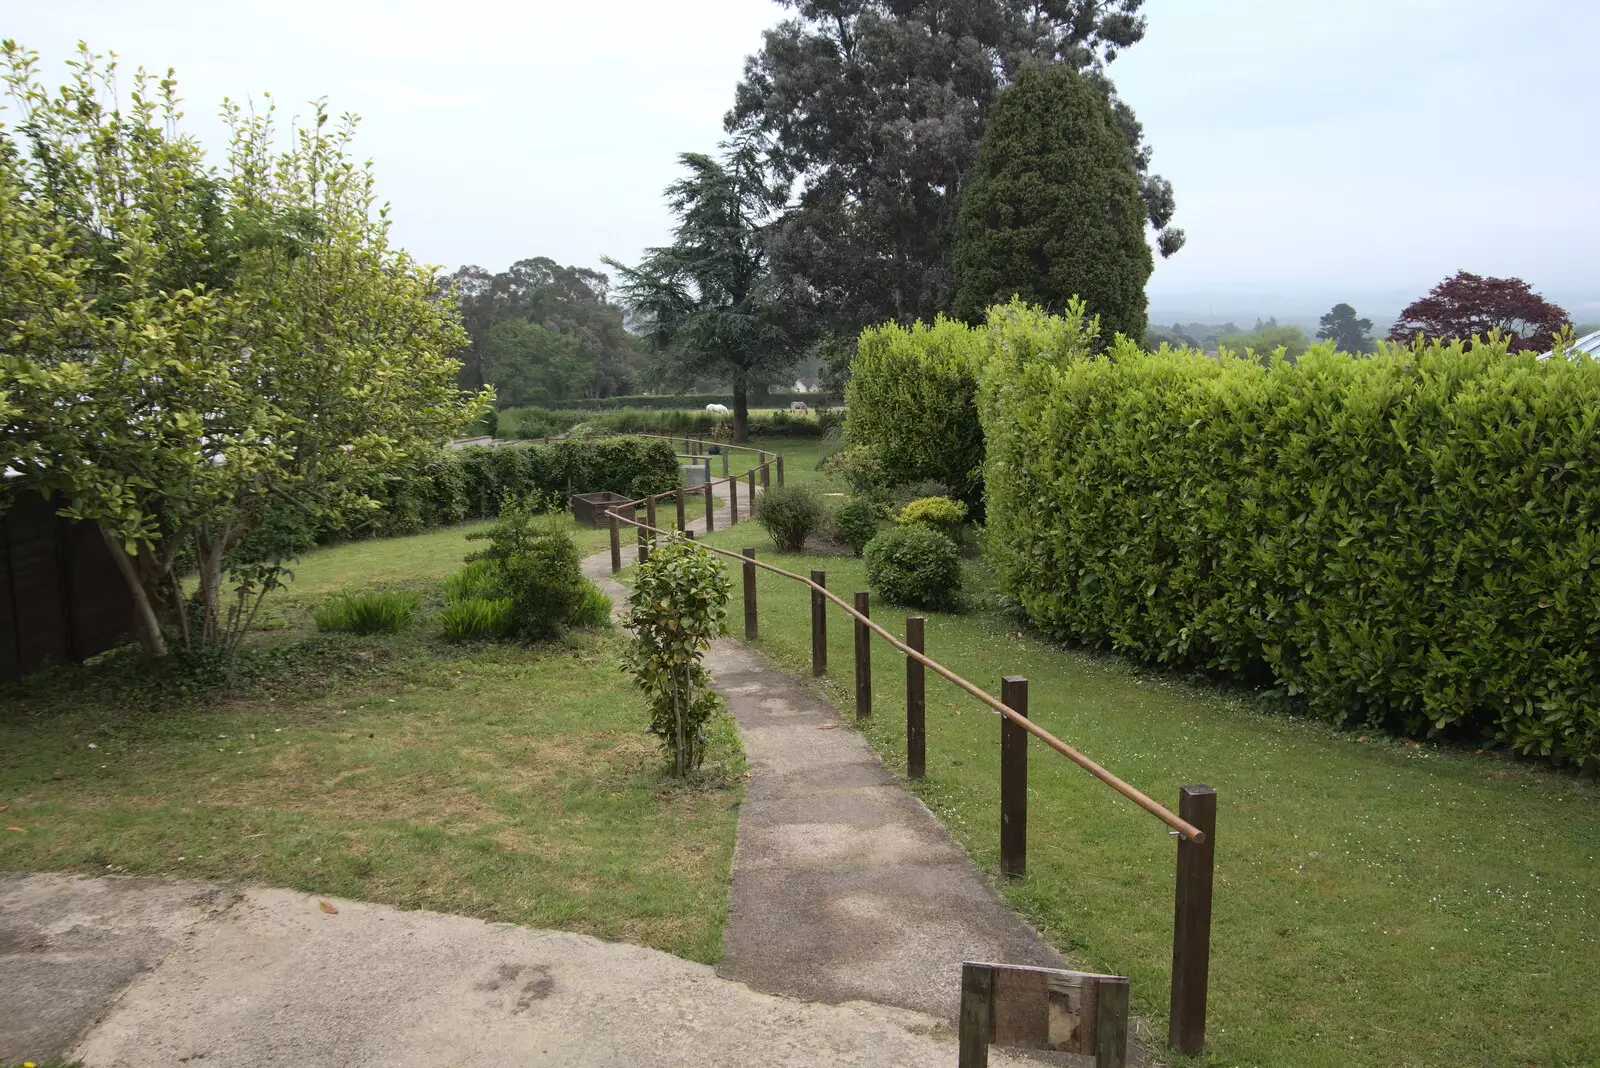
(508,783)
(1377,902)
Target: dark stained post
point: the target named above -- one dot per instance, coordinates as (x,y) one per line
(616,543)
(650,521)
(780,470)
(711,506)
(679,496)
(689,534)
(916,704)
(1111,1023)
(1191,922)
(766,473)
(733,498)
(863,659)
(750,475)
(977,996)
(644,553)
(686,451)
(1013,780)
(749,595)
(819,625)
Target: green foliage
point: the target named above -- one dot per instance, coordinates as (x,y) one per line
(940,513)
(594,607)
(1266,341)
(526,362)
(477,619)
(1052,209)
(790,514)
(678,606)
(1345,330)
(477,579)
(689,402)
(1411,539)
(856,522)
(912,400)
(535,565)
(542,422)
(915,566)
(369,612)
(859,466)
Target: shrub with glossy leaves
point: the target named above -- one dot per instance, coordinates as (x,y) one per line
(791,514)
(940,513)
(856,523)
(535,565)
(915,566)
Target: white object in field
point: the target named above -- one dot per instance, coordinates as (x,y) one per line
(798,406)
(717,409)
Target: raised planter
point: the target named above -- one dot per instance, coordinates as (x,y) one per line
(591,508)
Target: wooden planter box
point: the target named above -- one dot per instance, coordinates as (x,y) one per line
(590,508)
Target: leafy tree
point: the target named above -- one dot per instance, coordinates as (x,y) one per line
(529,364)
(710,302)
(187,358)
(1467,305)
(1267,338)
(1348,333)
(877,108)
(1052,209)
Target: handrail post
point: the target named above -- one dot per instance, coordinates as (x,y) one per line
(1013,780)
(766,472)
(616,543)
(682,526)
(686,451)
(750,475)
(749,595)
(723,451)
(780,470)
(819,625)
(733,498)
(863,659)
(643,552)
(711,506)
(1191,922)
(650,520)
(916,703)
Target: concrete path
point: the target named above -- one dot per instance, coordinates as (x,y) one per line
(139,973)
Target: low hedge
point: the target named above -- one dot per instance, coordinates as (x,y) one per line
(1410,539)
(543,422)
(682,400)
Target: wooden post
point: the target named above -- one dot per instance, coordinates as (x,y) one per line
(749,595)
(766,474)
(1191,922)
(689,534)
(616,544)
(686,451)
(977,994)
(733,500)
(863,659)
(711,506)
(1013,780)
(723,450)
(819,625)
(780,470)
(916,704)
(1111,1025)
(643,552)
(750,475)
(650,521)
(682,526)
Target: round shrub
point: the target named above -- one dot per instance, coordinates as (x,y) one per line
(940,513)
(791,514)
(915,566)
(856,522)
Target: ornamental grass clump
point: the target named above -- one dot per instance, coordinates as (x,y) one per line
(676,608)
(370,612)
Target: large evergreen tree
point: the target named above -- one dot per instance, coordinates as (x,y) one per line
(1052,209)
(877,107)
(1345,330)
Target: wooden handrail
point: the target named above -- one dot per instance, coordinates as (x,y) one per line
(1132,793)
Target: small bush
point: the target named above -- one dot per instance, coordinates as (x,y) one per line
(477,579)
(535,564)
(594,607)
(791,514)
(915,566)
(372,612)
(856,523)
(860,468)
(477,618)
(940,513)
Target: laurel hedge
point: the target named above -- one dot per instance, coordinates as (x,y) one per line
(1410,539)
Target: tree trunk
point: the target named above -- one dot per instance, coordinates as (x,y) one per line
(146,626)
(741,409)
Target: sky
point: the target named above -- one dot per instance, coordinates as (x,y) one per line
(1356,150)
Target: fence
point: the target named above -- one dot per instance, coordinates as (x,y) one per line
(61,595)
(1194,824)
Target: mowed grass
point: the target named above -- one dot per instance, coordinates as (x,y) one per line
(1377,902)
(509,783)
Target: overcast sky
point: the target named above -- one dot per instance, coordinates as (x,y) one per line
(1356,150)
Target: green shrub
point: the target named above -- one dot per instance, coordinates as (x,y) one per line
(791,514)
(856,522)
(897,497)
(860,468)
(475,618)
(477,579)
(593,608)
(912,400)
(535,565)
(371,612)
(915,566)
(940,513)
(1410,539)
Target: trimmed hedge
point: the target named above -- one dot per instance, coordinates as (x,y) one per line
(1411,539)
(912,400)
(683,400)
(541,422)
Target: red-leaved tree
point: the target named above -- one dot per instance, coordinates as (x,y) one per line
(1470,305)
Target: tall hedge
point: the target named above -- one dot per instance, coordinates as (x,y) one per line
(912,399)
(1410,539)
(1052,209)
